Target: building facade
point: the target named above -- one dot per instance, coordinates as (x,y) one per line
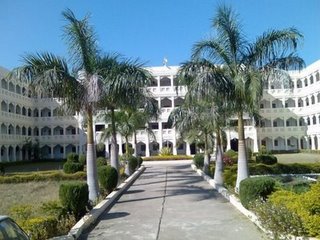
(290,120)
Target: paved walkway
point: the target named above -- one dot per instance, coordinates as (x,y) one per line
(171,202)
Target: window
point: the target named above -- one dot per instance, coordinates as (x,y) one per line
(99,127)
(261,105)
(274,105)
(143,148)
(287,123)
(275,124)
(61,150)
(286,105)
(275,143)
(288,142)
(154,125)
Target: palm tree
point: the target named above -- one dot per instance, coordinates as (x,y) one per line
(194,116)
(246,66)
(125,81)
(79,89)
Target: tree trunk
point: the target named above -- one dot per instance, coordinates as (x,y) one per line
(114,161)
(218,172)
(92,179)
(206,162)
(243,171)
(135,144)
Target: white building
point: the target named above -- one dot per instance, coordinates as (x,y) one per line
(290,119)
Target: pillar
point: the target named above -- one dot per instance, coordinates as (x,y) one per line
(313,145)
(228,140)
(188,152)
(147,146)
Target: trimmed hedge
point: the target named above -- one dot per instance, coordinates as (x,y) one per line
(82,159)
(74,196)
(266,159)
(73,157)
(252,189)
(108,178)
(101,161)
(198,160)
(173,157)
(72,167)
(294,168)
(133,163)
(40,228)
(41,176)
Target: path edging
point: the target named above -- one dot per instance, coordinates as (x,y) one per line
(236,202)
(92,216)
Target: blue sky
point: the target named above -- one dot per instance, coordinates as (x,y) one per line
(147,29)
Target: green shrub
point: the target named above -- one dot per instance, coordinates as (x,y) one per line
(82,159)
(21,212)
(101,161)
(133,163)
(140,161)
(42,176)
(231,153)
(249,153)
(40,228)
(72,167)
(166,151)
(258,188)
(230,176)
(198,160)
(266,159)
(53,208)
(279,220)
(173,157)
(108,178)
(73,157)
(305,205)
(74,197)
(2,169)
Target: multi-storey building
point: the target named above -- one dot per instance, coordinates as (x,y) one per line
(290,120)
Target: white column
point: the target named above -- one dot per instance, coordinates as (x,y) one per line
(147,146)
(255,141)
(313,145)
(14,153)
(20,154)
(174,143)
(228,139)
(52,152)
(120,145)
(160,135)
(188,152)
(64,151)
(307,141)
(286,143)
(318,141)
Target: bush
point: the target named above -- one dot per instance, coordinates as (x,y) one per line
(172,157)
(266,159)
(279,220)
(40,228)
(165,151)
(21,212)
(230,176)
(101,161)
(74,196)
(258,188)
(108,178)
(231,153)
(140,161)
(249,153)
(2,170)
(198,160)
(82,159)
(305,205)
(72,167)
(73,157)
(42,176)
(133,163)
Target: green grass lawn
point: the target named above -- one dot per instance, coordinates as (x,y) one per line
(31,193)
(298,158)
(34,166)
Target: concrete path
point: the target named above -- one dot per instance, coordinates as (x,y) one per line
(170,202)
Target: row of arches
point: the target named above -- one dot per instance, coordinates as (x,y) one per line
(10,129)
(163,81)
(17,109)
(12,153)
(15,88)
(296,83)
(290,102)
(290,122)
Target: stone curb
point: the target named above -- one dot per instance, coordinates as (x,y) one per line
(236,202)
(92,216)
